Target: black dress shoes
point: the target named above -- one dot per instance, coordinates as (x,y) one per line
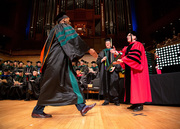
(86,109)
(44,115)
(138,108)
(132,106)
(117,103)
(105,103)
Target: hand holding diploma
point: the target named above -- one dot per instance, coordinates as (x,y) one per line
(118,61)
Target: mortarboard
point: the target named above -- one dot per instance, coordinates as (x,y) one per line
(38,62)
(60,16)
(93,62)
(29,61)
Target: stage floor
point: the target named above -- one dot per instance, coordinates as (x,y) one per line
(16,114)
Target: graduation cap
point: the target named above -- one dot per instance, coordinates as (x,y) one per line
(6,70)
(11,61)
(29,61)
(38,62)
(134,33)
(20,62)
(16,61)
(93,62)
(60,16)
(83,61)
(107,39)
(6,61)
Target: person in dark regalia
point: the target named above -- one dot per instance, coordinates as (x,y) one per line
(20,66)
(5,65)
(93,71)
(134,61)
(1,65)
(20,85)
(6,82)
(11,67)
(94,66)
(59,85)
(83,67)
(33,86)
(82,79)
(28,70)
(109,79)
(38,66)
(15,64)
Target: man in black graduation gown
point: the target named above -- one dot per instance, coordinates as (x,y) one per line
(6,82)
(83,67)
(109,79)
(28,70)
(59,85)
(20,66)
(11,67)
(93,71)
(33,88)
(38,66)
(20,85)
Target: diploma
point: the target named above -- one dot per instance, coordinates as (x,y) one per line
(111,65)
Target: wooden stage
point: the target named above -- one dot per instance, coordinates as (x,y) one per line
(16,114)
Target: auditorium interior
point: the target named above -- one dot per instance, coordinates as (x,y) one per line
(25,26)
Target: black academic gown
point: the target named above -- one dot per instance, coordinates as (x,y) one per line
(59,85)
(18,91)
(34,87)
(109,80)
(4,87)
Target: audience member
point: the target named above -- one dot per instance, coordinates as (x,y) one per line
(33,88)
(38,66)
(28,70)
(5,83)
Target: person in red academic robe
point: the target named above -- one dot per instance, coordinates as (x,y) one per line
(137,84)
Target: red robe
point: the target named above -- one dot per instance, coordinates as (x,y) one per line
(140,91)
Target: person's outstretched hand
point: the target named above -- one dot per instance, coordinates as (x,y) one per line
(114,51)
(93,53)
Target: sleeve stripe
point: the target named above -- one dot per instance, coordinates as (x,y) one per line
(132,58)
(135,55)
(69,38)
(135,50)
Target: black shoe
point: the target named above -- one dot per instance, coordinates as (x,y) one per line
(132,106)
(105,103)
(117,103)
(138,108)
